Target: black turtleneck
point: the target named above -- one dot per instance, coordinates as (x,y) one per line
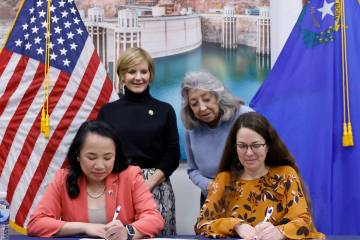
(147,130)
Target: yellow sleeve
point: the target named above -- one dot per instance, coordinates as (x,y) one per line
(297,222)
(214,220)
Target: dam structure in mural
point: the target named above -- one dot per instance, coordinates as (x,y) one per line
(164,31)
(159,34)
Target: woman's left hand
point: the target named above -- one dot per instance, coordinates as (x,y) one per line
(267,231)
(156,179)
(151,184)
(115,230)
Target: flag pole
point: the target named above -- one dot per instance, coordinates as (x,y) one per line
(13,24)
(345,139)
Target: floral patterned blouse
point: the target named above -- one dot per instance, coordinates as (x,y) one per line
(232,201)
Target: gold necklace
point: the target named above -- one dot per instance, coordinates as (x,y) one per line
(95,196)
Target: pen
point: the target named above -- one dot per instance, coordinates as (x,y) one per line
(116,214)
(269,211)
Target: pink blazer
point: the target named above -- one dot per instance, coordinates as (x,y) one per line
(126,189)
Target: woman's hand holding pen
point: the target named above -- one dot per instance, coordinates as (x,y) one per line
(267,231)
(245,231)
(262,231)
(115,230)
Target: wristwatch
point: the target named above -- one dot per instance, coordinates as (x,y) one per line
(130,231)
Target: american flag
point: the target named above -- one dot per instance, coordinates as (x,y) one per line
(79,86)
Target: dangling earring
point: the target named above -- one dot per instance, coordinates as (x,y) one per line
(121,88)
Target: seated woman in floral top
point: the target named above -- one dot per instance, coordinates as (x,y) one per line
(256,173)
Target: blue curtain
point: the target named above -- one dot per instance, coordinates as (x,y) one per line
(302,98)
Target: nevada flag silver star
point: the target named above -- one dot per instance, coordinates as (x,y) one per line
(326,9)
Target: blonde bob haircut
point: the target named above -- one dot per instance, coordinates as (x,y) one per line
(202,80)
(132,57)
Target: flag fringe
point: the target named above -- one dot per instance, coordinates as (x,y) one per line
(350,135)
(47,126)
(42,122)
(17,228)
(345,139)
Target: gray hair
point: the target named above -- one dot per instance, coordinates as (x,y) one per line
(228,103)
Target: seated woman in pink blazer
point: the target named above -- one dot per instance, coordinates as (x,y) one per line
(83,198)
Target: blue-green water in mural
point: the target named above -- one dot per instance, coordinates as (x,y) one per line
(239,69)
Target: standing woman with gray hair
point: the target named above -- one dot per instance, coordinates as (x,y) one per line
(208,112)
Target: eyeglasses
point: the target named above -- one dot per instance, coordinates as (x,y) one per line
(255,147)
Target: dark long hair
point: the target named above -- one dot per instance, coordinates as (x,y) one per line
(278,154)
(102,129)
